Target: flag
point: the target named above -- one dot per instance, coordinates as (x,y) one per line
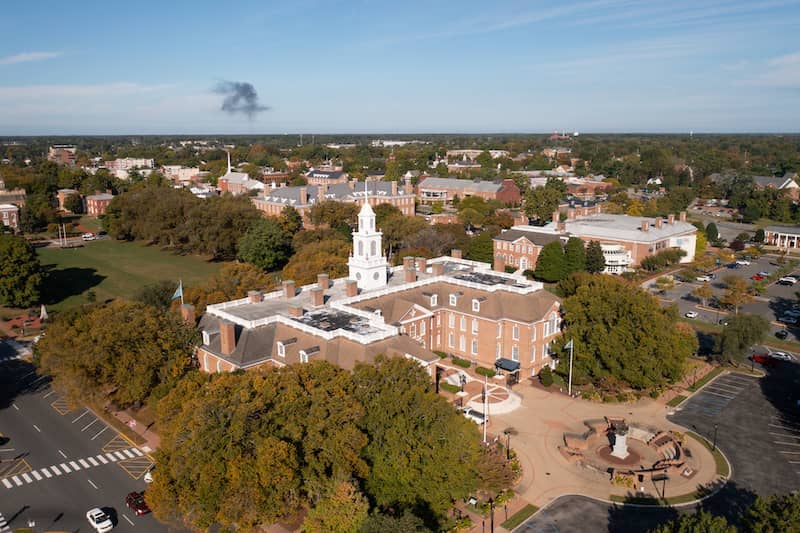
(568,346)
(178,291)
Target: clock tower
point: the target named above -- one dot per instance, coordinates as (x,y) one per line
(368,266)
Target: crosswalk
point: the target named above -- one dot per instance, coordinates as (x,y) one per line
(67,467)
(4,524)
(7,357)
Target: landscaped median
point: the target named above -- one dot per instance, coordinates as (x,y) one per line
(519,517)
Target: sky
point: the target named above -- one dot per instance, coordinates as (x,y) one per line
(371,66)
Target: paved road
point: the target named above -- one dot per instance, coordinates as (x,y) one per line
(758,429)
(58,463)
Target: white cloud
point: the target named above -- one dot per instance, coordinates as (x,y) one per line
(34,92)
(782,72)
(27,57)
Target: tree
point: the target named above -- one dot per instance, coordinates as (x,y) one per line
(773,514)
(619,330)
(233,281)
(73,203)
(741,332)
(158,294)
(344,511)
(265,245)
(20,272)
(700,244)
(392,171)
(712,233)
(122,352)
(574,255)
(736,293)
(699,521)
(481,248)
(290,220)
(595,261)
(665,283)
(542,202)
(703,293)
(759,236)
(328,257)
(551,264)
(385,523)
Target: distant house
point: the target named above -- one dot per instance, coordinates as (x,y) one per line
(9,215)
(782,183)
(16,197)
(63,154)
(96,204)
(325,177)
(433,189)
(238,183)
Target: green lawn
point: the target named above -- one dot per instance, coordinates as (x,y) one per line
(519,517)
(111,269)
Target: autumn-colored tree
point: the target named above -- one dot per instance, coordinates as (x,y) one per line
(343,511)
(736,293)
(233,281)
(703,293)
(328,257)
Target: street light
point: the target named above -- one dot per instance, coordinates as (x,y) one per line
(491,515)
(570,345)
(714,446)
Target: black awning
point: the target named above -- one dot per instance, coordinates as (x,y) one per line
(506,364)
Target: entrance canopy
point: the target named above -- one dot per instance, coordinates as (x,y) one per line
(506,364)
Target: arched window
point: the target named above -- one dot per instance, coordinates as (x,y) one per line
(360,248)
(372,249)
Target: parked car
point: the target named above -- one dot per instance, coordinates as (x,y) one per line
(723,321)
(88,236)
(788,319)
(148,476)
(703,279)
(476,416)
(792,312)
(782,334)
(99,520)
(782,356)
(763,359)
(135,501)
(787,280)
(743,262)
(763,273)
(692,314)
(757,277)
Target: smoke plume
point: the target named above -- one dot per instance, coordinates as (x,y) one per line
(240,97)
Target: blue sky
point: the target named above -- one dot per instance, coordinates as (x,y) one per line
(401,66)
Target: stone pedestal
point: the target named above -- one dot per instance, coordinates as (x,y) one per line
(620,446)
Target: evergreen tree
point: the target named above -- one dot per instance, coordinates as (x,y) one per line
(574,255)
(712,233)
(595,261)
(551,263)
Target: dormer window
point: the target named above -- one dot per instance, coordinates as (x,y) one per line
(434,300)
(476,305)
(281,349)
(206,338)
(303,356)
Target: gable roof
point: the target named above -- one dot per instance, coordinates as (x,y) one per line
(454,183)
(539,238)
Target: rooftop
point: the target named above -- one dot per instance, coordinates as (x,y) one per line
(622,227)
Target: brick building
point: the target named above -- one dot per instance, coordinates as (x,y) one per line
(784,237)
(96,204)
(9,215)
(433,189)
(449,304)
(63,154)
(326,177)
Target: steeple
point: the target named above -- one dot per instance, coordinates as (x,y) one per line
(367,264)
(230,169)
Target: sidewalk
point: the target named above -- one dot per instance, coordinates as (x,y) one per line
(153,440)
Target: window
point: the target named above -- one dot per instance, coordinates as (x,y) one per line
(499,330)
(553,322)
(422,328)
(533,354)
(474,347)
(476,305)
(462,343)
(546,329)
(219,365)
(533,332)
(281,349)
(434,300)
(451,320)
(463,323)
(451,340)
(360,248)
(303,356)
(515,332)
(438,340)
(474,326)
(438,319)
(453,299)
(498,353)
(206,338)
(413,330)
(205,363)
(515,353)
(372,250)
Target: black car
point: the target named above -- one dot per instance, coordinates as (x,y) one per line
(782,334)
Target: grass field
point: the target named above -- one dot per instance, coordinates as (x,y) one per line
(112,269)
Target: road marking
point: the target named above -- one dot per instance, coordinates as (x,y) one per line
(771,425)
(47,473)
(128,453)
(84,463)
(17,481)
(119,455)
(7,449)
(781,451)
(28,374)
(15,406)
(128,519)
(37,428)
(74,465)
(40,378)
(56,470)
(27,478)
(62,454)
(65,468)
(101,432)
(92,484)
(49,393)
(111,457)
(718,394)
(91,460)
(89,425)
(86,412)
(794,462)
(138,452)
(7,483)
(785,435)
(102,459)
(787,443)
(37,475)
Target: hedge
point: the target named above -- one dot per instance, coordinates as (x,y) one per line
(488,372)
(449,387)
(463,363)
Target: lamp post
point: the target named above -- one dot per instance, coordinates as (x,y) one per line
(714,446)
(507,433)
(491,515)
(570,345)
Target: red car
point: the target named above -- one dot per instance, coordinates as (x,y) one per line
(763,359)
(135,500)
(757,278)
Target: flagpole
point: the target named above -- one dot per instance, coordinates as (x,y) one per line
(180,282)
(569,387)
(485,407)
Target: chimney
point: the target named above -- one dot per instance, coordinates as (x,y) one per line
(321,190)
(323,282)
(682,216)
(288,289)
(407,187)
(255,296)
(571,214)
(561,227)
(671,218)
(556,216)
(295,310)
(411,275)
(188,315)
(422,264)
(645,225)
(437,269)
(408,262)
(394,188)
(351,288)
(658,222)
(303,196)
(317,297)
(499,264)
(227,337)
(455,253)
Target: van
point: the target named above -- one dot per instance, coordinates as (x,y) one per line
(476,416)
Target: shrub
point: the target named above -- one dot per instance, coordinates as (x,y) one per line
(449,387)
(440,354)
(546,376)
(509,269)
(488,372)
(463,363)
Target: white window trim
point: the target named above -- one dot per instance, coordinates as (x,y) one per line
(515,353)
(515,332)
(474,325)
(434,300)
(451,340)
(476,306)
(463,323)
(474,347)
(453,299)
(303,356)
(281,349)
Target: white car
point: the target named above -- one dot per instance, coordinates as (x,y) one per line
(99,520)
(692,314)
(703,279)
(476,416)
(743,262)
(88,236)
(148,477)
(783,356)
(787,280)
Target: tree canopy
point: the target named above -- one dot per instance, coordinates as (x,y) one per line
(20,272)
(551,264)
(740,333)
(266,245)
(595,260)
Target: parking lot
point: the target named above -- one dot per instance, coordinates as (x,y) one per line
(715,396)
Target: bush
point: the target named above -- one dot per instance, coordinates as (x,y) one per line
(440,354)
(463,363)
(546,376)
(449,387)
(483,371)
(509,269)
